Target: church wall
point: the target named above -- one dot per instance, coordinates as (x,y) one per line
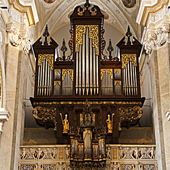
(157,110)
(145,84)
(164,82)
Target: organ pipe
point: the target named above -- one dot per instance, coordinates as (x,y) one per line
(87,67)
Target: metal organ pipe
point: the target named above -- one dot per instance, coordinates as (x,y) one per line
(80,69)
(91,67)
(87,60)
(87,67)
(77,73)
(94,71)
(39,76)
(97,75)
(83,63)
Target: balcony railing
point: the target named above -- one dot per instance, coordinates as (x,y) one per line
(124,157)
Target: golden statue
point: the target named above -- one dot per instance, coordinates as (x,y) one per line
(65,123)
(109,123)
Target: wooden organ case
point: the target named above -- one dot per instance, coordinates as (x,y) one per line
(87,97)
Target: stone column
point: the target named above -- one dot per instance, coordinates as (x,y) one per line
(157,46)
(16,57)
(155,16)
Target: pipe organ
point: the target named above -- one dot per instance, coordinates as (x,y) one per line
(94,93)
(45,74)
(87,57)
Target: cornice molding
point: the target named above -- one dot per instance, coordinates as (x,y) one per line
(28,7)
(4,116)
(147,7)
(156,38)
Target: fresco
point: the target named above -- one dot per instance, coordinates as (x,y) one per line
(129,3)
(49,1)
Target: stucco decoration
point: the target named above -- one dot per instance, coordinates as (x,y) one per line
(106,16)
(49,1)
(117,18)
(129,3)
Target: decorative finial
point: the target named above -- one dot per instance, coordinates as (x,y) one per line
(46,33)
(110,49)
(44,37)
(128,37)
(128,34)
(64,48)
(87,4)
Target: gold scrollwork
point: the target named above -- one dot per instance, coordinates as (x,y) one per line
(93,34)
(59,83)
(45,114)
(50,59)
(130,114)
(117,70)
(57,70)
(131,57)
(87,131)
(69,71)
(117,81)
(94,102)
(103,71)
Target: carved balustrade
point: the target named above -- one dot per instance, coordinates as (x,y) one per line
(119,157)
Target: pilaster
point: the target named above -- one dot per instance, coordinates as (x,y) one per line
(17,48)
(156,36)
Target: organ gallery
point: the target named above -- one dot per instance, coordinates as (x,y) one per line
(87,97)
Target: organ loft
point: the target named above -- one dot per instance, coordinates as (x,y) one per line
(87,96)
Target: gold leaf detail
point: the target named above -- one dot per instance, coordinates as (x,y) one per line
(103,71)
(129,114)
(59,83)
(57,70)
(50,59)
(131,57)
(117,82)
(93,34)
(69,71)
(117,70)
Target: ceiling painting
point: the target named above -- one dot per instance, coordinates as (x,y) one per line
(49,1)
(129,3)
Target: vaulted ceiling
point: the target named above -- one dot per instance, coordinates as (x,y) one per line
(55,14)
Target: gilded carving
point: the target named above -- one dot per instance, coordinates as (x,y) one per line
(114,153)
(103,71)
(55,82)
(57,70)
(65,123)
(61,153)
(91,102)
(109,123)
(50,59)
(117,70)
(129,114)
(93,34)
(45,114)
(131,57)
(69,71)
(117,81)
(87,131)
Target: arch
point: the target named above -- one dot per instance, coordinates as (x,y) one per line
(117,17)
